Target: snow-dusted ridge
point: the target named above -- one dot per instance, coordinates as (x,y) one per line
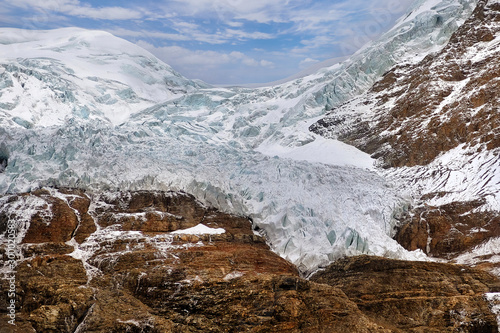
(85,109)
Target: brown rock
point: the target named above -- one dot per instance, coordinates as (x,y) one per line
(407,101)
(232,282)
(448,230)
(411,126)
(59,221)
(149,211)
(416,296)
(51,295)
(189,283)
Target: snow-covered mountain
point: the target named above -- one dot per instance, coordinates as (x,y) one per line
(85,109)
(52,76)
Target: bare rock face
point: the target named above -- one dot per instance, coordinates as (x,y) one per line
(431,107)
(45,218)
(448,230)
(415,296)
(53,292)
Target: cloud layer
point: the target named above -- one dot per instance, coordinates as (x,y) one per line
(223,41)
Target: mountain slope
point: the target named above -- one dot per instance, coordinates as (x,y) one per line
(435,127)
(153,261)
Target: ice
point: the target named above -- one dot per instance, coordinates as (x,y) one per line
(22,209)
(312,213)
(110,72)
(85,109)
(489,249)
(462,174)
(469,172)
(233,275)
(200,229)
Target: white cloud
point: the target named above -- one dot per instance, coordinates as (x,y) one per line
(181,57)
(145,34)
(265,63)
(75,8)
(307,62)
(188,32)
(199,35)
(235,24)
(210,66)
(240,34)
(255,10)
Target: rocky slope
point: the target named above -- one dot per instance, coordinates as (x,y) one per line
(132,262)
(415,296)
(435,127)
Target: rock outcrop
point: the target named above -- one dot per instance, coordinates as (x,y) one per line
(110,263)
(121,262)
(415,296)
(446,100)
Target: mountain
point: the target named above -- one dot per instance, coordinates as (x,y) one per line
(95,120)
(127,186)
(434,127)
(68,73)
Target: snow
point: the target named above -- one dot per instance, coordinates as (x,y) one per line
(22,210)
(488,251)
(200,229)
(461,174)
(322,150)
(98,247)
(233,275)
(494,299)
(465,173)
(85,109)
(317,149)
(81,66)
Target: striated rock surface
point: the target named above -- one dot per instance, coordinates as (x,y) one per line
(141,262)
(448,230)
(417,112)
(416,296)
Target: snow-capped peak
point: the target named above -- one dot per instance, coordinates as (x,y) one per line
(71,72)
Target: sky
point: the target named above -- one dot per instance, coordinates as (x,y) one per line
(222,41)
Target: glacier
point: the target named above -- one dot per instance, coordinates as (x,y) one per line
(85,109)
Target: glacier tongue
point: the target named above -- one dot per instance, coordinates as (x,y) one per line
(312,213)
(85,109)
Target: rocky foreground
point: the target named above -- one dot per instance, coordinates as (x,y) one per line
(120,262)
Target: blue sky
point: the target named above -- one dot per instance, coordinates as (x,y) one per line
(222,41)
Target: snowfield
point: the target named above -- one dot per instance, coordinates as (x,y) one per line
(85,109)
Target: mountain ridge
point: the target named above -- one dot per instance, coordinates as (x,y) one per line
(434,127)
